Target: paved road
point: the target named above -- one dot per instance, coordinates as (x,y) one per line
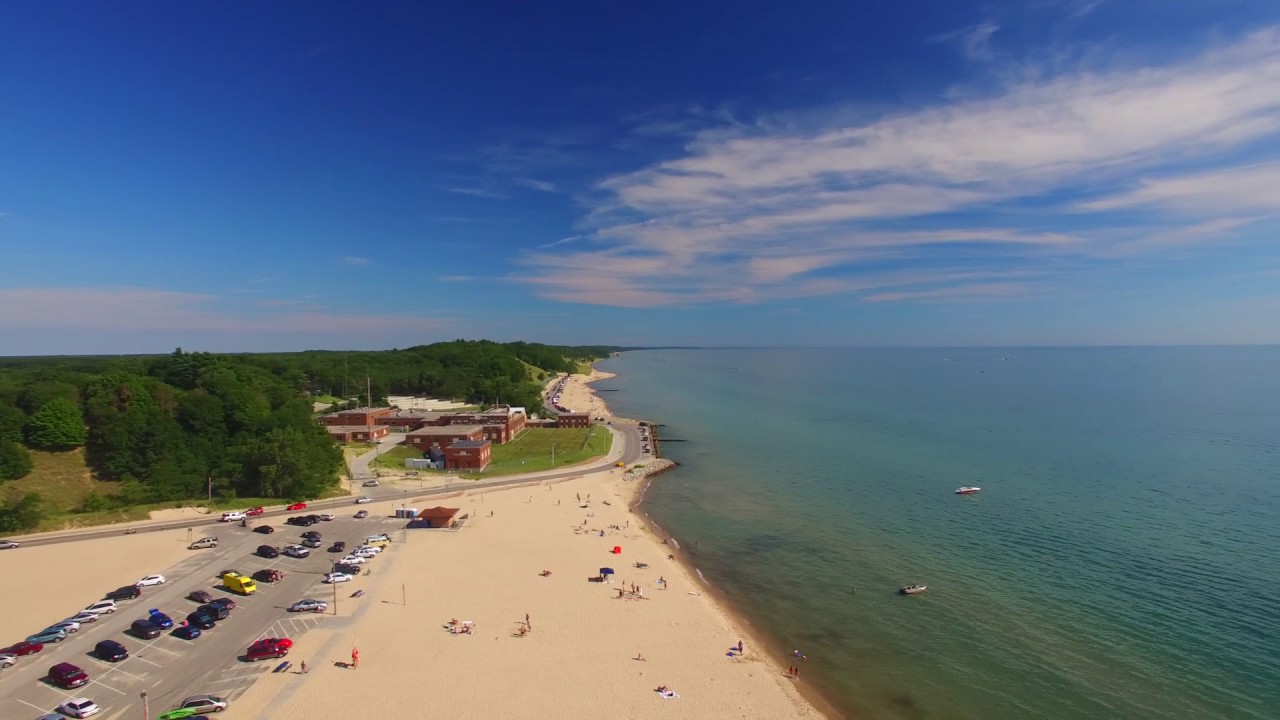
(626,447)
(170,669)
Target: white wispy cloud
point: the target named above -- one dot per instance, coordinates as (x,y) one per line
(131,309)
(352,260)
(536,184)
(974,41)
(765,212)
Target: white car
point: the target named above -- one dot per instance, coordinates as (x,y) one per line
(82,618)
(353,560)
(309,605)
(363,499)
(7,660)
(296,551)
(326,516)
(67,626)
(78,708)
(9,544)
(337,578)
(150,580)
(379,536)
(233,516)
(367,549)
(364,552)
(102,607)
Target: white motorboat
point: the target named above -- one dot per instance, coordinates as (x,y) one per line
(912,589)
(967,490)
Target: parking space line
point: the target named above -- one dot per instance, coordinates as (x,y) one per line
(137,657)
(96,682)
(24,702)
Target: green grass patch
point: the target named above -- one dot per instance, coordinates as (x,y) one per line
(330,399)
(532,450)
(62,479)
(395,457)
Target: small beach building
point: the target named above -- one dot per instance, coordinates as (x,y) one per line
(468,455)
(437,517)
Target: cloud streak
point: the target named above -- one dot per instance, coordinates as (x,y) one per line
(752,214)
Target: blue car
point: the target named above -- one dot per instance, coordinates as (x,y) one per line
(187,632)
(164,622)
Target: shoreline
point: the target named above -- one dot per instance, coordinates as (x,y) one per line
(720,599)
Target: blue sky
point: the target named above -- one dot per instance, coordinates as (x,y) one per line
(280,176)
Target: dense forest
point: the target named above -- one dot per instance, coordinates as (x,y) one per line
(183,425)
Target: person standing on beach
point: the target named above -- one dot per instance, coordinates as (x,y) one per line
(526,621)
(304,667)
(355,657)
(739,646)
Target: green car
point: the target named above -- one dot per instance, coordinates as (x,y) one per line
(178,714)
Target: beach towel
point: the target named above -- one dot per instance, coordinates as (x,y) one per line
(669,694)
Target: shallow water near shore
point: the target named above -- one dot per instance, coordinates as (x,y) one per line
(1120,562)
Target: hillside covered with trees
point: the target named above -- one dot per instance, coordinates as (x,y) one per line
(187,424)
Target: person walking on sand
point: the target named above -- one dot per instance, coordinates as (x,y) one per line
(739,646)
(526,621)
(303,667)
(355,657)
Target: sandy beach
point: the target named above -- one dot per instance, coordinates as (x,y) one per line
(577,659)
(585,651)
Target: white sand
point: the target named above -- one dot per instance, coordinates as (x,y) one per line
(578,660)
(96,566)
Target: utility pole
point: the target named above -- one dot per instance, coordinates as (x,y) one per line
(209,481)
(146,706)
(553,454)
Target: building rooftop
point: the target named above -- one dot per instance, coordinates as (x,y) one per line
(445,429)
(352,428)
(469,444)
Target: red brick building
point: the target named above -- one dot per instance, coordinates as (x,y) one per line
(437,517)
(357,433)
(425,437)
(414,419)
(358,416)
(573,420)
(468,455)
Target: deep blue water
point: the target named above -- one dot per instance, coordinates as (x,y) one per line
(1122,561)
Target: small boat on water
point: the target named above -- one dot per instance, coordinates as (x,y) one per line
(967,490)
(912,589)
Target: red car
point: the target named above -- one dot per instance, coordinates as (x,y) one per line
(23,648)
(297,506)
(268,649)
(254,511)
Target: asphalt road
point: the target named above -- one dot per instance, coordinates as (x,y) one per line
(168,668)
(630,453)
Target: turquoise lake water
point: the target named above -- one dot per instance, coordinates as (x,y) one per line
(1122,561)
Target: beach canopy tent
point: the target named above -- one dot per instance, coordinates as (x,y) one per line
(617,549)
(606,571)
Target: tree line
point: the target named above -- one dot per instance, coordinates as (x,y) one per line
(188,424)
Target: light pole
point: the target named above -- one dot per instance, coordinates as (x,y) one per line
(553,454)
(146,706)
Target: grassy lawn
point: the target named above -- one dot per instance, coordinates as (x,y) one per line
(395,457)
(531,451)
(330,399)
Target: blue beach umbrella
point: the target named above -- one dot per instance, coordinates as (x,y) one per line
(606,571)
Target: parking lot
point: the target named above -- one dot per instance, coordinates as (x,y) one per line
(168,668)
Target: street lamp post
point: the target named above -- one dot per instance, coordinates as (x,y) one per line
(146,706)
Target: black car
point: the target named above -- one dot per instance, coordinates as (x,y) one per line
(128,592)
(217,611)
(311,535)
(200,596)
(186,632)
(144,629)
(264,529)
(338,546)
(226,603)
(348,569)
(110,650)
(202,620)
(267,551)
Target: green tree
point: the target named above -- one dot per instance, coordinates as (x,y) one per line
(12,421)
(56,426)
(22,515)
(15,461)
